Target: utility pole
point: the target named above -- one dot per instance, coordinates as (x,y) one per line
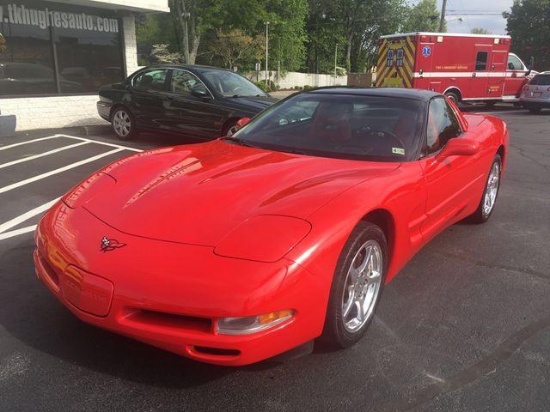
(442,21)
(266,49)
(335,62)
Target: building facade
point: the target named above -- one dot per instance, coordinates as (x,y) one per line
(54,56)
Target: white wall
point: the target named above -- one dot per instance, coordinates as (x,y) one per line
(52,112)
(133,5)
(293,79)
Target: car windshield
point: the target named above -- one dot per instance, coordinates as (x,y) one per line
(340,125)
(230,84)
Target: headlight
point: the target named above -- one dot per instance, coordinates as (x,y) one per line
(83,191)
(252,324)
(264,238)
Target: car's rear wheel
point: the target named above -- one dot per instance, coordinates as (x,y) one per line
(453,96)
(357,285)
(489,198)
(123,124)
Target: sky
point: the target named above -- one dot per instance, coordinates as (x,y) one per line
(486,14)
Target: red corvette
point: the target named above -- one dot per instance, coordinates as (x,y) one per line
(240,249)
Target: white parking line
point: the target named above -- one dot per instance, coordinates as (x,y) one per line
(17,232)
(29,141)
(26,159)
(25,216)
(4,227)
(57,171)
(101,143)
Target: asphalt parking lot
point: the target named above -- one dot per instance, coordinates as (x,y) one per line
(464,327)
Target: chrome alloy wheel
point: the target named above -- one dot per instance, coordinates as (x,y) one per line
(122,123)
(362,286)
(491,190)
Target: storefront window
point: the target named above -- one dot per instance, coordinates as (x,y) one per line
(58,49)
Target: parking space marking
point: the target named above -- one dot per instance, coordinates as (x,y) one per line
(26,159)
(101,143)
(4,227)
(25,216)
(30,141)
(57,171)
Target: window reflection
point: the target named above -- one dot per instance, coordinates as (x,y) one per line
(88,56)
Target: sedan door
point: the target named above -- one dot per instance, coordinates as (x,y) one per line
(454,182)
(148,91)
(191,108)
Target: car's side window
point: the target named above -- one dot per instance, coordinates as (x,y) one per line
(184,82)
(442,125)
(151,80)
(514,63)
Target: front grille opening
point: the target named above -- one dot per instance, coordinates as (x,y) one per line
(217,351)
(171,320)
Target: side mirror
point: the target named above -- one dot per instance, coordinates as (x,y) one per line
(458,147)
(199,92)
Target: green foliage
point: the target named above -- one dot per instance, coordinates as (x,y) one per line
(529,25)
(424,16)
(267,87)
(479,30)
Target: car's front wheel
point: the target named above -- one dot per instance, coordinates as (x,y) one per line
(489,198)
(357,285)
(123,124)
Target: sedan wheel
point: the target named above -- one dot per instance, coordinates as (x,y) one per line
(489,198)
(123,124)
(357,286)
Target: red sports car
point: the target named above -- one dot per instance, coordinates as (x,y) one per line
(240,249)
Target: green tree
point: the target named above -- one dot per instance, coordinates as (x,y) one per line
(234,46)
(353,26)
(423,17)
(528,23)
(479,30)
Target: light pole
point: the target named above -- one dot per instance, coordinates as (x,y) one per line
(266,49)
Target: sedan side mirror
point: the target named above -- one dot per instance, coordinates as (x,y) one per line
(199,92)
(458,147)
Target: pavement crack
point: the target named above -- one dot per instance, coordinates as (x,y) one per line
(485,367)
(525,271)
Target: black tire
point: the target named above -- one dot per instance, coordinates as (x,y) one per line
(534,109)
(490,193)
(453,96)
(339,330)
(123,124)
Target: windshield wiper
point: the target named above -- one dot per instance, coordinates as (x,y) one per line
(238,141)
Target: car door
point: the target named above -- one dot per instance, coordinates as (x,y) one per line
(191,108)
(450,182)
(515,76)
(148,91)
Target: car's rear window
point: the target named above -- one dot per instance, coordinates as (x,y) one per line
(541,80)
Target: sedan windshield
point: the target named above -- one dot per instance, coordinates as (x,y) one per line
(343,126)
(230,84)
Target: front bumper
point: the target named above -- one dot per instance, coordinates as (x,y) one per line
(170,295)
(104,110)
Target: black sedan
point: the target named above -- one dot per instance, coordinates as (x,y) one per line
(197,101)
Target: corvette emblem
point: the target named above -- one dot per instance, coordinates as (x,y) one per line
(107,245)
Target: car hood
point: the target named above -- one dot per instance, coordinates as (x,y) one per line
(196,194)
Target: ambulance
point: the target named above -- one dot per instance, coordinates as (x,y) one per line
(464,67)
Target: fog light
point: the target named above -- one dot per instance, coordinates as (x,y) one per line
(252,324)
